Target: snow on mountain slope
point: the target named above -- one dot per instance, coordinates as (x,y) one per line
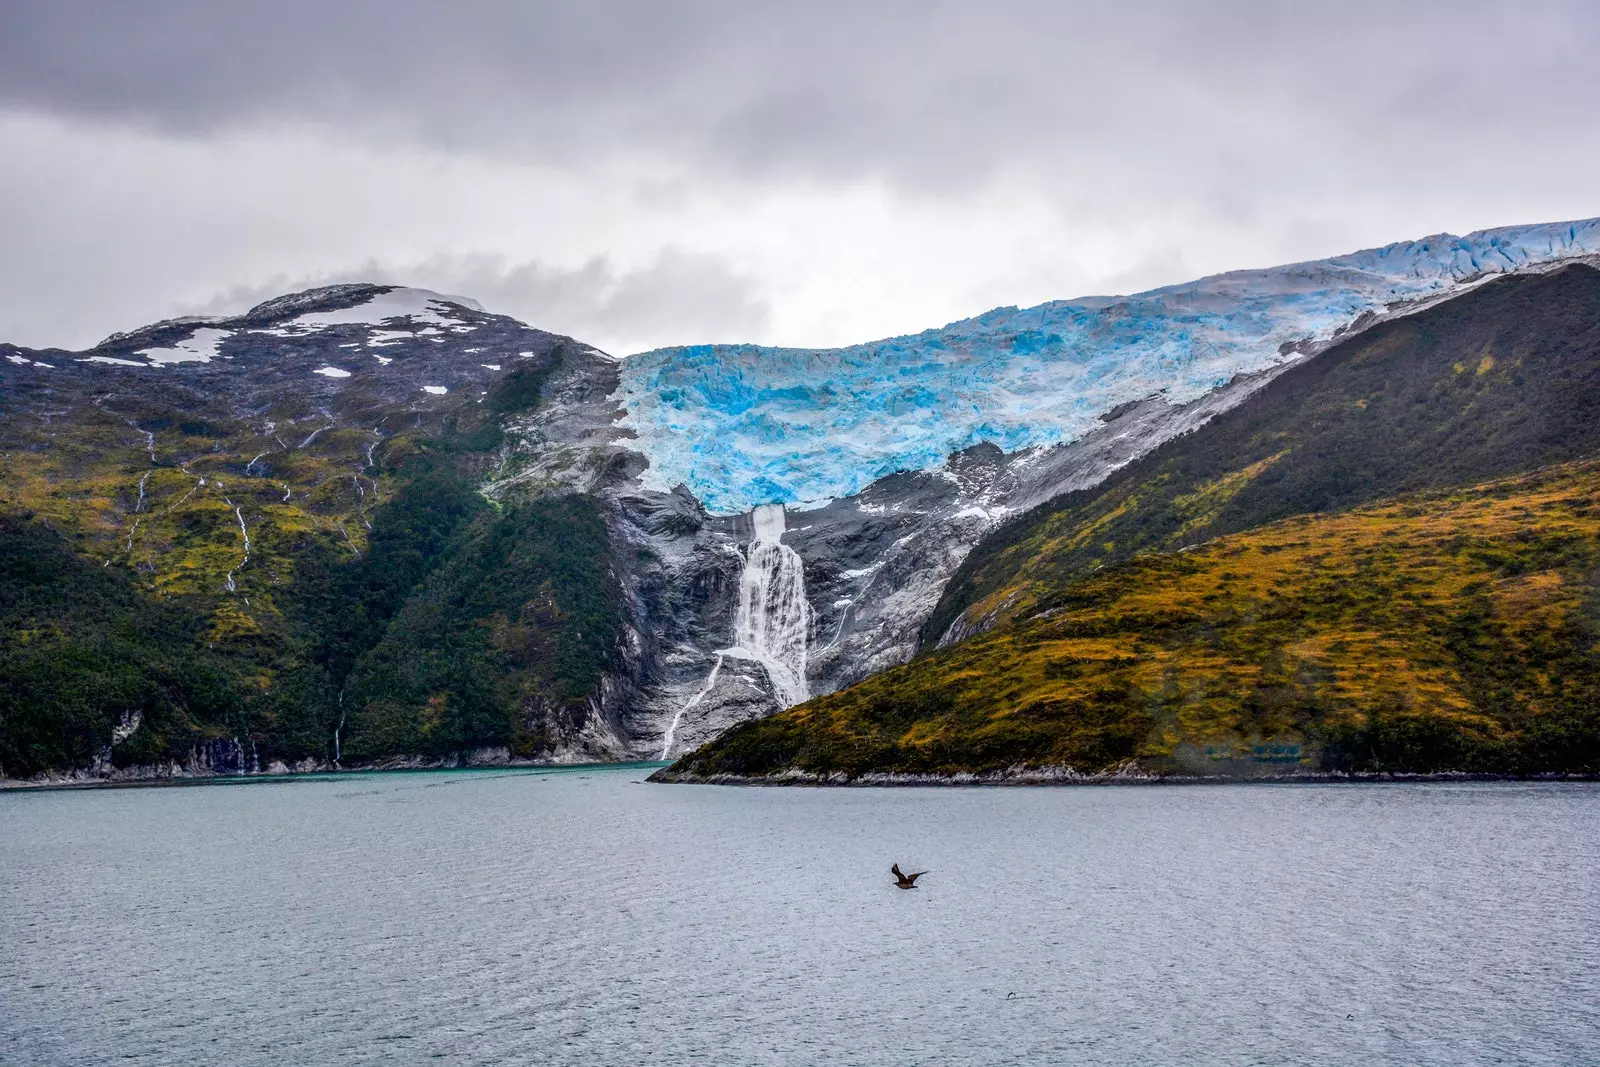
(742,425)
(404,314)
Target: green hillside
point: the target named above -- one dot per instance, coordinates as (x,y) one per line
(1501,380)
(1446,631)
(1240,599)
(385,610)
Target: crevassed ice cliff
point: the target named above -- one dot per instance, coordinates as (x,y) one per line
(742,425)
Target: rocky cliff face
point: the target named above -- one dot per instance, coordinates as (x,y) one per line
(874,563)
(702,596)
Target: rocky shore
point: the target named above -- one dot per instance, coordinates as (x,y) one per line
(1043,776)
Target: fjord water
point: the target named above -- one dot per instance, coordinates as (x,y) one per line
(580,916)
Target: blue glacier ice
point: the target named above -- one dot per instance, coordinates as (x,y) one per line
(743,425)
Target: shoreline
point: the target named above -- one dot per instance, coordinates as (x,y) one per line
(71,782)
(1015,777)
(1048,777)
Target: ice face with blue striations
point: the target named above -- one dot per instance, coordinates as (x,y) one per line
(742,425)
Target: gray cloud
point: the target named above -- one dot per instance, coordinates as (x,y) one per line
(871,166)
(926,94)
(679,295)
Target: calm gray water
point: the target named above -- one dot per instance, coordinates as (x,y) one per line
(581,917)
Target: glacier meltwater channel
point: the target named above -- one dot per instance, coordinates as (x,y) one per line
(773,623)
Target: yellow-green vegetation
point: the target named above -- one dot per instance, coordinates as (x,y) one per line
(1452,630)
(299,588)
(1502,380)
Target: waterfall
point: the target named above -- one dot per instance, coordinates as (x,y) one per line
(773,623)
(244,531)
(672,730)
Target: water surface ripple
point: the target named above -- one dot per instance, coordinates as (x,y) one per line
(578,916)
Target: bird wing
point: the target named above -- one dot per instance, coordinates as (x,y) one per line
(895,870)
(912,878)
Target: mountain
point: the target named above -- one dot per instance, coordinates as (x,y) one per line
(400,530)
(1385,559)
(285,484)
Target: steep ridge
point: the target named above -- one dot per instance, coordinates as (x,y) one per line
(1503,379)
(1500,380)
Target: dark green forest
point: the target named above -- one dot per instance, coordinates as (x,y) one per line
(432,643)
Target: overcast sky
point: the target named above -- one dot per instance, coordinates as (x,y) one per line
(644,173)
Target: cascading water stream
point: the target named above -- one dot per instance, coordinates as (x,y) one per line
(773,622)
(773,625)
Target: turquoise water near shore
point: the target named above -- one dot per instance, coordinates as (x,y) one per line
(582,916)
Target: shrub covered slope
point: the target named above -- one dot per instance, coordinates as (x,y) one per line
(1501,380)
(1455,630)
(1386,560)
(381,608)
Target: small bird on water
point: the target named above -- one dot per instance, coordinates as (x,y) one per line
(905,881)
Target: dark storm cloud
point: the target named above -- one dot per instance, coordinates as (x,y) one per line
(794,171)
(924,94)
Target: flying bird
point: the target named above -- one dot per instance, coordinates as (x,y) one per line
(903,880)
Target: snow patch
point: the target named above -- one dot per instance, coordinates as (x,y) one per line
(436,390)
(331,372)
(418,305)
(200,347)
(108,359)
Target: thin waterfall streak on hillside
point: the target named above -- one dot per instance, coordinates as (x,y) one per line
(138,506)
(338,750)
(244,531)
(844,616)
(185,496)
(672,730)
(361,504)
(149,438)
(313,435)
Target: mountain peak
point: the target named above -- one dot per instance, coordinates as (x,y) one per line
(390,301)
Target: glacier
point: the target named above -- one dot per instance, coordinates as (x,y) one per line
(745,425)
